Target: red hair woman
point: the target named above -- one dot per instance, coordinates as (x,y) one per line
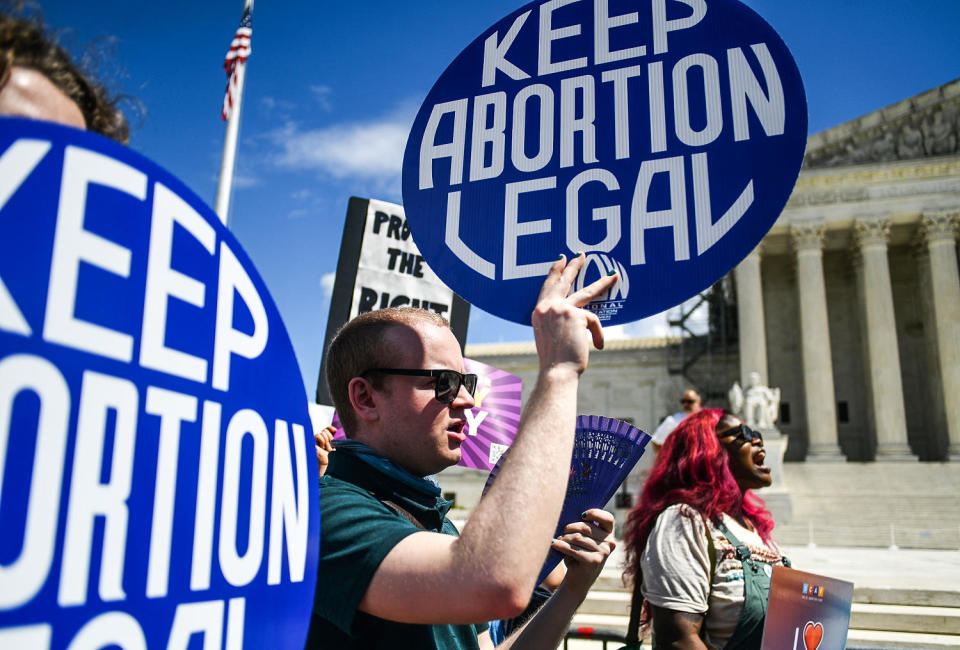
(698,541)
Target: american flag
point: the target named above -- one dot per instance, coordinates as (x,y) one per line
(236,58)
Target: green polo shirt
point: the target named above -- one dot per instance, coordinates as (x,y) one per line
(357,531)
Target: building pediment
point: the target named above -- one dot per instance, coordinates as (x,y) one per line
(923,126)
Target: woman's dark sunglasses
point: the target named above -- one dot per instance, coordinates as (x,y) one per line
(744,434)
(447,384)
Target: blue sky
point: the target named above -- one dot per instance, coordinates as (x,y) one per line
(333,87)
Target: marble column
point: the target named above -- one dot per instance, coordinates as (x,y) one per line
(883,349)
(939,234)
(821,407)
(753,333)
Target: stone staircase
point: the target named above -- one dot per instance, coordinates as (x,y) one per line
(880,617)
(904,505)
(865,521)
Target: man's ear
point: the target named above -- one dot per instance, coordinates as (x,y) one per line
(363,399)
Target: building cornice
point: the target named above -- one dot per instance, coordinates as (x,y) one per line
(521,348)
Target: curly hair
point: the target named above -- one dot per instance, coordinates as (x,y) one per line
(691,468)
(25,42)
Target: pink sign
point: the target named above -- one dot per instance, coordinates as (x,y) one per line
(492,423)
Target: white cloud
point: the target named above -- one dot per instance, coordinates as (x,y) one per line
(244,181)
(371,150)
(326,283)
(652,327)
(322,95)
(301,194)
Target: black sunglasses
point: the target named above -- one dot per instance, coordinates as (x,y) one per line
(744,434)
(447,384)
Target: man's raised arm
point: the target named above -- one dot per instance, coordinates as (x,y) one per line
(490,571)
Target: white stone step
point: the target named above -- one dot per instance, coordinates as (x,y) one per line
(856,638)
(906,618)
(876,639)
(615,605)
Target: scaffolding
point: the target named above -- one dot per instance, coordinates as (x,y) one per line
(705,336)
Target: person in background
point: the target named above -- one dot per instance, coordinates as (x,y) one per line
(689,404)
(39,80)
(698,545)
(393,571)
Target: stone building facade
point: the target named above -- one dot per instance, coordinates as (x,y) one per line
(852,299)
(850,304)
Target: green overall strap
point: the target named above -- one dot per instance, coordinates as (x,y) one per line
(756,591)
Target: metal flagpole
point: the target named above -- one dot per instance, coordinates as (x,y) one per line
(225,185)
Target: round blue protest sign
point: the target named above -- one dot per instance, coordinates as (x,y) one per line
(661,138)
(157,476)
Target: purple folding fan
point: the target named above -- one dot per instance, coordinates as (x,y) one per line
(604,452)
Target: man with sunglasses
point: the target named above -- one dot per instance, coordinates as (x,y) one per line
(393,572)
(689,404)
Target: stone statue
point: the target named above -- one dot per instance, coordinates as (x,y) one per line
(911,142)
(759,405)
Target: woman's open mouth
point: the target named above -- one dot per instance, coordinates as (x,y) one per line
(758,459)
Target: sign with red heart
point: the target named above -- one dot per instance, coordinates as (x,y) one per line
(806,611)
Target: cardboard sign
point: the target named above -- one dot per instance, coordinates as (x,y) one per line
(806,611)
(660,137)
(157,477)
(379,267)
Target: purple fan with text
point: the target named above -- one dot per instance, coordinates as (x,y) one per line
(604,452)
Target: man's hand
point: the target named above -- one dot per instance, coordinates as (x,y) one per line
(586,545)
(560,326)
(323,440)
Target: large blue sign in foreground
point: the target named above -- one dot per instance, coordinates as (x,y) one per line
(157,478)
(661,137)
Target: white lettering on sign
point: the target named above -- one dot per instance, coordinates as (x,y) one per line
(642,218)
(75,246)
(494,54)
(92,498)
(474,420)
(495,50)
(122,630)
(163,282)
(576,115)
(25,575)
(230,341)
(173,409)
(603,22)
(518,154)
(430,151)
(240,569)
(513,229)
(493,135)
(609,214)
(545,63)
(288,507)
